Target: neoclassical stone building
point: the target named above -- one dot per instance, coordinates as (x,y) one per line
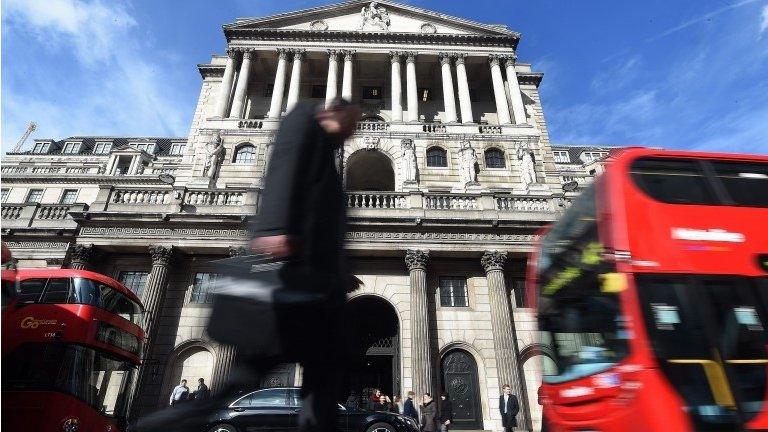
(449,176)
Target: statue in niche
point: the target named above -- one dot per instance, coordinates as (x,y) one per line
(527,166)
(468,172)
(531,120)
(408,167)
(374,16)
(214,156)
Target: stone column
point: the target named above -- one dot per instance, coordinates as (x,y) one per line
(397,87)
(222,366)
(333,72)
(154,291)
(502,109)
(412,89)
(225,92)
(276,106)
(518,109)
(449,97)
(421,362)
(241,89)
(79,256)
(504,337)
(294,87)
(346,84)
(465,102)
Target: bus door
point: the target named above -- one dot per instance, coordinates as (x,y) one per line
(709,337)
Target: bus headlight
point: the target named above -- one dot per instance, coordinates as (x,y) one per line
(72,424)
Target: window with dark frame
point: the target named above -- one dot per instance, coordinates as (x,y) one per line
(134,281)
(437,157)
(35,196)
(177,149)
(68,197)
(102,148)
(318,92)
(494,158)
(453,292)
(372,92)
(202,288)
(41,148)
(245,154)
(71,148)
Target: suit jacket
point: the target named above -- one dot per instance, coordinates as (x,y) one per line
(509,419)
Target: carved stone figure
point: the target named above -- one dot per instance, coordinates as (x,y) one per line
(408,167)
(530,119)
(468,170)
(214,156)
(527,166)
(375,17)
(372,143)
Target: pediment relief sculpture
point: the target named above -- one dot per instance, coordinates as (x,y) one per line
(374,17)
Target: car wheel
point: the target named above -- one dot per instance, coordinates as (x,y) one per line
(380,427)
(223,428)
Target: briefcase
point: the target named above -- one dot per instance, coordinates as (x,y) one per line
(266,307)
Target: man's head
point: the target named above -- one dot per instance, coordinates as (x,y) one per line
(183,382)
(201,381)
(339,120)
(506,389)
(411,394)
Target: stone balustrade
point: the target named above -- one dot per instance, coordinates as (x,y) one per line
(433,128)
(525,204)
(140,196)
(490,129)
(47,169)
(35,215)
(451,202)
(217,197)
(53,212)
(11,211)
(376,200)
(14,169)
(371,126)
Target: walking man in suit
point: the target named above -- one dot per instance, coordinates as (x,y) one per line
(509,407)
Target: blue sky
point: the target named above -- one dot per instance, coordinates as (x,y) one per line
(672,74)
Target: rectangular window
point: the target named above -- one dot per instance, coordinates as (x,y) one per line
(202,290)
(177,149)
(372,92)
(134,281)
(71,148)
(592,156)
(40,148)
(147,147)
(102,148)
(318,92)
(69,196)
(5,193)
(30,290)
(453,292)
(562,156)
(35,195)
(425,94)
(57,291)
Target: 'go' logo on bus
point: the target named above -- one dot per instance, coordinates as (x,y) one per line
(33,323)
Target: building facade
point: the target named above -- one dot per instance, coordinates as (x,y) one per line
(449,176)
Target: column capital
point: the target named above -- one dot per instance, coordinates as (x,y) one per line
(410,56)
(394,56)
(282,53)
(495,59)
(509,59)
(248,54)
(416,259)
(80,253)
(493,260)
(348,54)
(231,52)
(460,57)
(333,53)
(445,58)
(298,53)
(161,255)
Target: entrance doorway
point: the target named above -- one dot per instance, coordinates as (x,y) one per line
(375,347)
(459,371)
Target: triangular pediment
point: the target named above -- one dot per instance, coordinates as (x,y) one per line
(367,16)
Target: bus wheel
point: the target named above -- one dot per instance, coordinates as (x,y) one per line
(222,428)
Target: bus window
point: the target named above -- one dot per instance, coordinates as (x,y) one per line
(115,302)
(85,292)
(57,291)
(30,290)
(745,183)
(672,181)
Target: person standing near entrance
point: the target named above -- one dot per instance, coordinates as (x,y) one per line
(409,410)
(446,412)
(179,394)
(508,407)
(202,392)
(428,414)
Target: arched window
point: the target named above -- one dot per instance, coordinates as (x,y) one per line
(494,158)
(245,154)
(436,157)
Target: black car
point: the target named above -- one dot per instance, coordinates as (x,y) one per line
(270,410)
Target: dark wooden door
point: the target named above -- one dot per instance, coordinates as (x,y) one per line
(460,381)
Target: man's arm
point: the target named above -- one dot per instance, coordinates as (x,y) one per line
(288,163)
(515,405)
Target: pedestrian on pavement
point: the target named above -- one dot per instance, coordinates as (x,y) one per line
(179,394)
(508,407)
(384,404)
(202,392)
(303,221)
(428,414)
(374,399)
(397,405)
(446,412)
(409,410)
(353,400)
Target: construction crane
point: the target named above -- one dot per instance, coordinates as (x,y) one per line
(31,128)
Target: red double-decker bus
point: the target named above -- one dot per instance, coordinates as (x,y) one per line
(652,292)
(71,346)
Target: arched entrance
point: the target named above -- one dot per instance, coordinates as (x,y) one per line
(536,361)
(370,170)
(192,363)
(459,373)
(374,361)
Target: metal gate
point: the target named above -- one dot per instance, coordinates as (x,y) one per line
(459,372)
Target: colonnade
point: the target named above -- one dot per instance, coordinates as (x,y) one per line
(232,96)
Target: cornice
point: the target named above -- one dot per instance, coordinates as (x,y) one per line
(533,78)
(235,34)
(96,179)
(211,70)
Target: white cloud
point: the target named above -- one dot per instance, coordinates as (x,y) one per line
(92,73)
(699,19)
(764,20)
